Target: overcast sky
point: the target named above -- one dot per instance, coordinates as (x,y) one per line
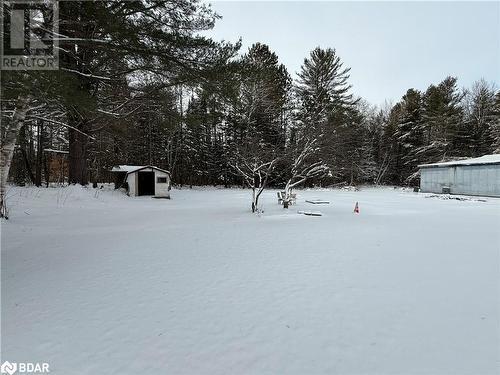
(390,46)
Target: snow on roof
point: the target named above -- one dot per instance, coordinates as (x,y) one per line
(127,168)
(134,168)
(55,151)
(486,159)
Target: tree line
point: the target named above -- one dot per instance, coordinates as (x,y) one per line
(139,84)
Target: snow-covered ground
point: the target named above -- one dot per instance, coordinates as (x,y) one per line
(94,282)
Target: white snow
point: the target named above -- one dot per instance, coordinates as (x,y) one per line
(94,282)
(486,159)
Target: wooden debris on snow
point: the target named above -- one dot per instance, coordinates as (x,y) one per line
(310,213)
(317,201)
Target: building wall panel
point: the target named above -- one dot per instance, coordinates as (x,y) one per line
(466,179)
(132,184)
(162,189)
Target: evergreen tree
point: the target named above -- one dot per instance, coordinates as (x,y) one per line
(409,134)
(442,117)
(263,94)
(480,118)
(146,37)
(494,132)
(322,86)
(327,111)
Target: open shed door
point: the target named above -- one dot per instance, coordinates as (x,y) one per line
(146,183)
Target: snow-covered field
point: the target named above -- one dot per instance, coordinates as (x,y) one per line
(94,282)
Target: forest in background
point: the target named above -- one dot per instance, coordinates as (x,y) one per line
(139,84)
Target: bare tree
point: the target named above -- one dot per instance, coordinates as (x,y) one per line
(255,172)
(305,166)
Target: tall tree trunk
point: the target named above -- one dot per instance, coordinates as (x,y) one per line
(254,199)
(46,163)
(78,143)
(7,150)
(78,56)
(24,153)
(180,172)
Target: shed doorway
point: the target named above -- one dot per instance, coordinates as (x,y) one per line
(146,183)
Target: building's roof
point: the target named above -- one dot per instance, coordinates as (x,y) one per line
(55,151)
(486,159)
(135,168)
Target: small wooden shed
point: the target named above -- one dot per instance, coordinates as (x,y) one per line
(143,180)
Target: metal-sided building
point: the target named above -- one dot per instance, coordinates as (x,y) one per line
(477,176)
(143,180)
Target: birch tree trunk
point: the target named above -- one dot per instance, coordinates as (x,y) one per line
(39,154)
(12,129)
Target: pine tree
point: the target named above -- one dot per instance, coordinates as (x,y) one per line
(327,111)
(322,86)
(257,137)
(479,118)
(263,93)
(442,117)
(409,134)
(148,38)
(494,132)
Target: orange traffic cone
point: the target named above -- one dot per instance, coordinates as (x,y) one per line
(356,208)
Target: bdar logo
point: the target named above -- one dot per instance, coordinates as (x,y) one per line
(8,368)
